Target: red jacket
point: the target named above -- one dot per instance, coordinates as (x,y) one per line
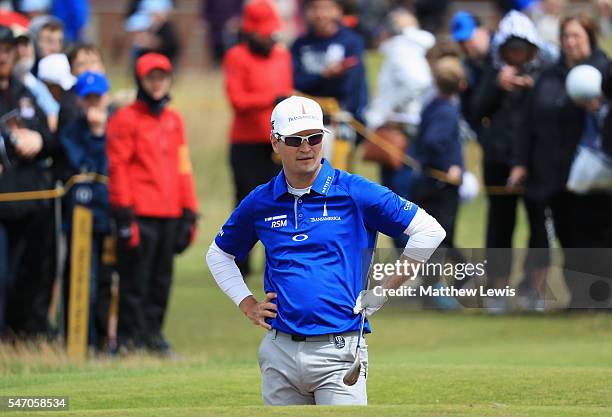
(252,83)
(149,166)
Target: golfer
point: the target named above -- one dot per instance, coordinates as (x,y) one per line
(315,223)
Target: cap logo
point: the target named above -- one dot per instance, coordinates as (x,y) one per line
(303,116)
(303,109)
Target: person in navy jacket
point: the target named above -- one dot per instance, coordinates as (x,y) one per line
(328,59)
(438,146)
(84,145)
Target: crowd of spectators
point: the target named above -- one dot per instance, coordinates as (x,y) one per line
(128,165)
(503,85)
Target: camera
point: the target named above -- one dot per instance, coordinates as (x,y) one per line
(8,155)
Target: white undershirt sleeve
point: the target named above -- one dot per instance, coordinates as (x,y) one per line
(425,233)
(226,273)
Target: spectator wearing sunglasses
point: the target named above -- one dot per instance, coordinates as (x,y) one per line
(257,73)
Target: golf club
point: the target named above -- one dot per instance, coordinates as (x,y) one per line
(352,375)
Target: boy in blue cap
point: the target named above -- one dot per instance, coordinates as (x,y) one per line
(84,145)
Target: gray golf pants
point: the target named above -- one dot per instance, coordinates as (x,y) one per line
(311,371)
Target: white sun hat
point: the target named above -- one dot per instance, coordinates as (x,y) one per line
(55,69)
(296,114)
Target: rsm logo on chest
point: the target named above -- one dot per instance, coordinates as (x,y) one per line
(277,221)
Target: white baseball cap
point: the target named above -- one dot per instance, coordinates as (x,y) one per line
(55,69)
(28,6)
(583,82)
(138,22)
(295,114)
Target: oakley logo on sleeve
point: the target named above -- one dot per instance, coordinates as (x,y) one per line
(408,204)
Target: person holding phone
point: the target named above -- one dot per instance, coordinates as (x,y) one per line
(498,102)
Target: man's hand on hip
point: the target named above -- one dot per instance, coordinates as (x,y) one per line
(369,302)
(259,312)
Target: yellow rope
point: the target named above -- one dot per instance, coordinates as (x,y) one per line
(55,192)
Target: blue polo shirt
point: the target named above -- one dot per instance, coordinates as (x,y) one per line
(317,255)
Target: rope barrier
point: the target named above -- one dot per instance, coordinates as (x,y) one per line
(56,192)
(441,175)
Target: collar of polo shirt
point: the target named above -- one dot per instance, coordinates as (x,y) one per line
(321,185)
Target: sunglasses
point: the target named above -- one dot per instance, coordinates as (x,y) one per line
(295,141)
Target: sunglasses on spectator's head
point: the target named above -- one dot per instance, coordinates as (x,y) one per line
(295,141)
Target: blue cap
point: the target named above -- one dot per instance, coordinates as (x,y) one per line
(521,5)
(462,26)
(91,83)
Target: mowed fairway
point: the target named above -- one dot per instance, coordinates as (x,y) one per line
(422,363)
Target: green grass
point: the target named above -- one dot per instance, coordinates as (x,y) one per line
(422,363)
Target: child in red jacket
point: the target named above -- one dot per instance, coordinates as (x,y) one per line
(257,74)
(153,201)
